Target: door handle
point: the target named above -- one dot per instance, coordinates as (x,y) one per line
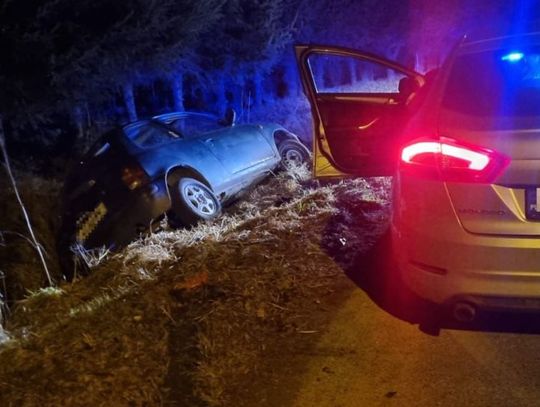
(368,125)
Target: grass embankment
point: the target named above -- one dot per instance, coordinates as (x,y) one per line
(20,268)
(187,317)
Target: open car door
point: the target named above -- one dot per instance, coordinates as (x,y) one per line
(359,107)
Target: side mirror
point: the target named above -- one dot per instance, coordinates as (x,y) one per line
(229,119)
(407,86)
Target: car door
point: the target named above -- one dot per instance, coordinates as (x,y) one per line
(241,149)
(359,103)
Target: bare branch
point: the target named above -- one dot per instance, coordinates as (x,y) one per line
(36,244)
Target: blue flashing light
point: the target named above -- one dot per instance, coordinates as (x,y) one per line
(513,57)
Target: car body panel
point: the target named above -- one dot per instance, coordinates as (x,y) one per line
(234,145)
(189,154)
(502,207)
(443,262)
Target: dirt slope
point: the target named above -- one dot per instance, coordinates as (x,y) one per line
(188,317)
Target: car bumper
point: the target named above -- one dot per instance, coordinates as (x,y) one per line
(114,222)
(442,262)
(489,272)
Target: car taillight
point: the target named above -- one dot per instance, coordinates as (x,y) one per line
(449,160)
(134,176)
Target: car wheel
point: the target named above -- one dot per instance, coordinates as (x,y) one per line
(292,153)
(194,201)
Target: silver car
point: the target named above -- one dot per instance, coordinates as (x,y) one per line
(463,144)
(185,165)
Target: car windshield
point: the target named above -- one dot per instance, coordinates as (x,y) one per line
(503,84)
(147,134)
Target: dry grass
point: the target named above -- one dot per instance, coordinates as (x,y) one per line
(181,317)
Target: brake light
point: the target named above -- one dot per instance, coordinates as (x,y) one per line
(134,176)
(448,160)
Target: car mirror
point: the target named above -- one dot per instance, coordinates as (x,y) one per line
(229,119)
(407,86)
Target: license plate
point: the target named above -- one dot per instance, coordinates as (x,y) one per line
(88,221)
(532,203)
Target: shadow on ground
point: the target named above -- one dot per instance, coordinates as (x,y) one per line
(358,239)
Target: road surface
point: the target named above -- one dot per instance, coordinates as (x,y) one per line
(372,352)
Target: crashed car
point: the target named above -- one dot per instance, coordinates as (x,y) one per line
(186,165)
(463,144)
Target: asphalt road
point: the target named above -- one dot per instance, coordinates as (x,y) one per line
(374,351)
(368,357)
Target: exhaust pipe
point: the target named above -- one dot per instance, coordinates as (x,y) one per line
(464,312)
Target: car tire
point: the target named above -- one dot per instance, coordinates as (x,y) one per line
(292,152)
(193,201)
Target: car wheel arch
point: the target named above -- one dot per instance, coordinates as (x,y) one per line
(174,174)
(282,135)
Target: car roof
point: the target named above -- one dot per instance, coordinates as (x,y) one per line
(169,117)
(517,41)
(479,42)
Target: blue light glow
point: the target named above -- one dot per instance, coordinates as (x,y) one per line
(513,57)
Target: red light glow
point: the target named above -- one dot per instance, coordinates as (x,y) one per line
(448,160)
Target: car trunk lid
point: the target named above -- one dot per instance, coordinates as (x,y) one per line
(508,206)
(94,187)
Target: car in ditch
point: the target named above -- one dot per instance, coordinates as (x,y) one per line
(463,146)
(185,165)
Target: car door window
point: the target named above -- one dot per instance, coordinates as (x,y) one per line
(145,134)
(193,126)
(359,104)
(345,74)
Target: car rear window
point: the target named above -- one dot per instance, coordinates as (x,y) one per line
(495,84)
(147,134)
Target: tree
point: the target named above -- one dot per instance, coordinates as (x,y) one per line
(64,56)
(243,48)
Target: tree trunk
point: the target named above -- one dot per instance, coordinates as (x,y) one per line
(292,79)
(258,88)
(353,74)
(177,83)
(129,101)
(221,89)
(79,121)
(238,100)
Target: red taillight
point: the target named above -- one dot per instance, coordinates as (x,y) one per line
(134,176)
(448,160)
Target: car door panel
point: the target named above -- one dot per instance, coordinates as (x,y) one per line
(356,132)
(240,149)
(189,153)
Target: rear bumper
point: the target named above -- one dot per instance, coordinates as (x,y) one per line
(478,271)
(114,221)
(442,262)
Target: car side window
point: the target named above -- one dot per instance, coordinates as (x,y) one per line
(348,74)
(146,134)
(193,126)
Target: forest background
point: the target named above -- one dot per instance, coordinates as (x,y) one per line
(70,70)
